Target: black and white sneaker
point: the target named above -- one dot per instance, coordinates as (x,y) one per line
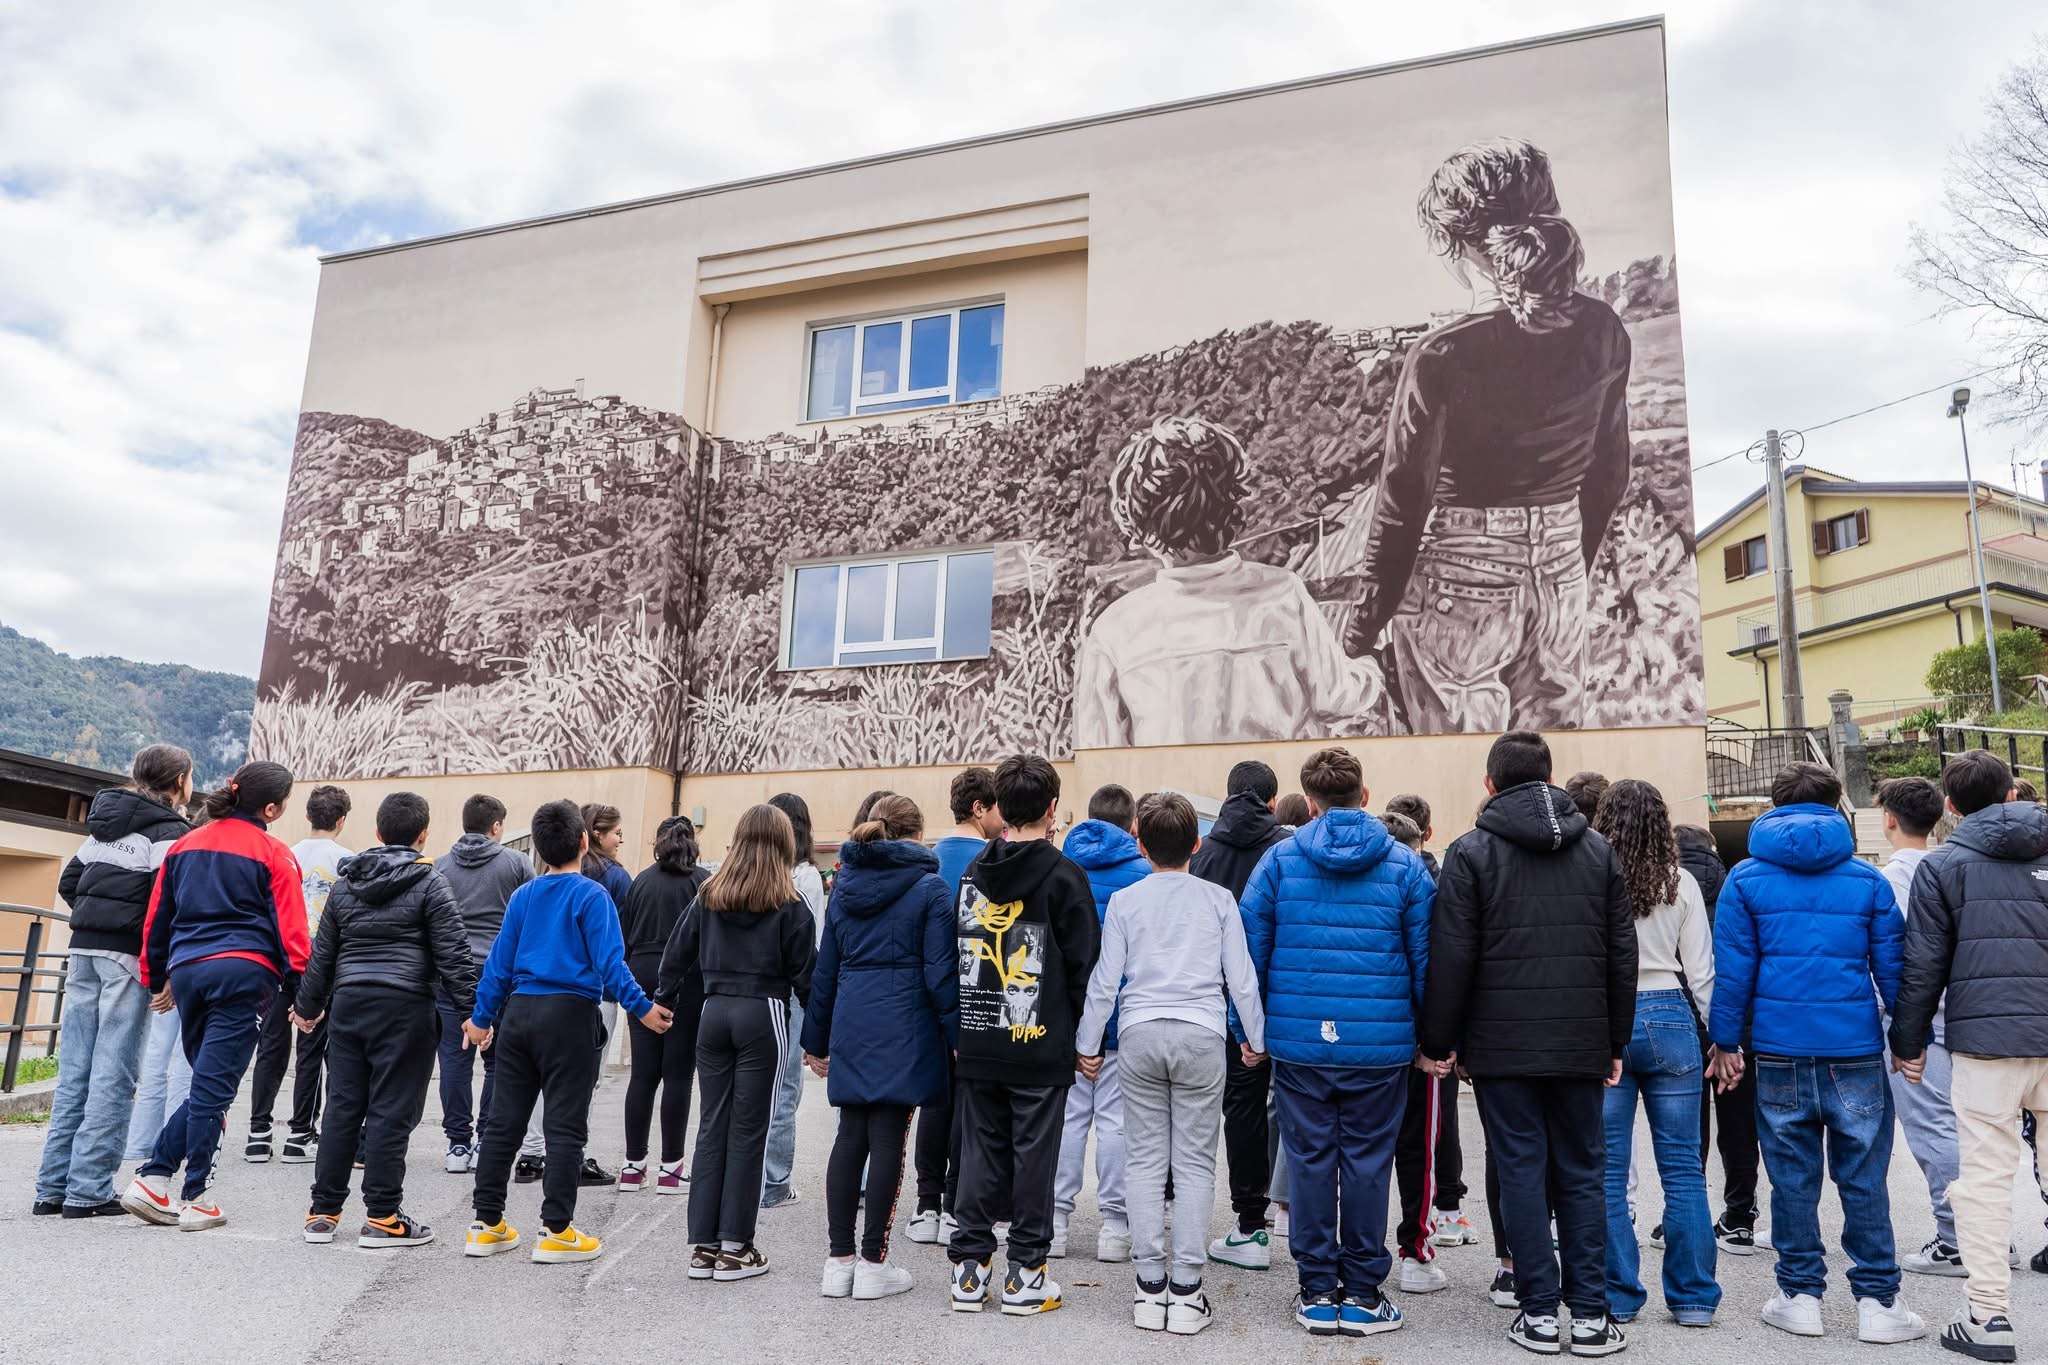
(743,1264)
(1537,1332)
(528,1169)
(1735,1241)
(1936,1258)
(257,1149)
(1029,1290)
(970,1286)
(1993,1340)
(1503,1293)
(1656,1237)
(593,1174)
(298,1149)
(398,1230)
(1187,1311)
(1596,1336)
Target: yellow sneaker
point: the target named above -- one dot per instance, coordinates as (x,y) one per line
(567,1245)
(489,1241)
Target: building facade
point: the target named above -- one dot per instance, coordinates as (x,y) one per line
(1882,582)
(1351,408)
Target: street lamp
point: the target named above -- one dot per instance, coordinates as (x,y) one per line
(1958,404)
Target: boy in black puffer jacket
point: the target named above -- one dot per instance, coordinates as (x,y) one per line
(391,936)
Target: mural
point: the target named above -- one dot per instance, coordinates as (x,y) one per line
(1287,530)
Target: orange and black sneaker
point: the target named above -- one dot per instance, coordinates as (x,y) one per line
(321,1227)
(397,1230)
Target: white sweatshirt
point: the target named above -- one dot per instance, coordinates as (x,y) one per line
(1674,938)
(1174,944)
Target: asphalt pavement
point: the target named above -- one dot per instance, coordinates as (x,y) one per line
(117,1289)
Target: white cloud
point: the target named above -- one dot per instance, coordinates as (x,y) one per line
(166,182)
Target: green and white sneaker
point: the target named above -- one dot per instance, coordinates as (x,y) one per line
(1247,1250)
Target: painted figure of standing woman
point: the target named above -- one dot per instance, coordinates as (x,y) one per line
(1507,453)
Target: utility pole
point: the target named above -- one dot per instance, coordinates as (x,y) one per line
(1958,404)
(1789,680)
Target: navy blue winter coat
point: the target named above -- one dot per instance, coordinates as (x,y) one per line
(1337,920)
(885,998)
(1111,859)
(1803,930)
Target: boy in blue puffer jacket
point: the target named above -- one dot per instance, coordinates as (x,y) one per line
(1337,921)
(1106,847)
(1802,930)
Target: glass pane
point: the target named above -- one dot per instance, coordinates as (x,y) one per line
(881,358)
(867,597)
(970,598)
(913,654)
(812,616)
(931,344)
(901,403)
(831,374)
(917,599)
(980,372)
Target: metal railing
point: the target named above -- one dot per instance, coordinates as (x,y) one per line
(1741,762)
(1954,739)
(27,966)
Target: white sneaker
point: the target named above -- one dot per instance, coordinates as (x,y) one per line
(1420,1277)
(458,1159)
(1277,1216)
(924,1227)
(1451,1228)
(1798,1314)
(1254,1252)
(948,1225)
(1189,1313)
(1884,1324)
(1113,1243)
(197,1215)
(837,1281)
(148,1198)
(879,1279)
(1148,1309)
(1935,1258)
(1058,1246)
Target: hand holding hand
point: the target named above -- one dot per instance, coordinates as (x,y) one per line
(1250,1057)
(820,1066)
(161,1002)
(658,1018)
(474,1037)
(1614,1073)
(1728,1068)
(1090,1067)
(1913,1069)
(305,1025)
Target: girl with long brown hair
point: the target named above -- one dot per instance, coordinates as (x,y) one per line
(750,935)
(1674,990)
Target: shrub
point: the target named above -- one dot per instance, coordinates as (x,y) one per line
(1963,674)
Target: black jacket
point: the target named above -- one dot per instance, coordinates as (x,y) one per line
(769,956)
(654,907)
(1703,859)
(1979,930)
(107,882)
(392,924)
(1027,937)
(1245,828)
(1532,949)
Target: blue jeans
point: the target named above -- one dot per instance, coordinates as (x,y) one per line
(1338,1126)
(106,1012)
(1663,1066)
(460,1121)
(789,1093)
(162,1084)
(1840,1109)
(221,1004)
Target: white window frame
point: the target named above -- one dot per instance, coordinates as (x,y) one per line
(904,393)
(847,654)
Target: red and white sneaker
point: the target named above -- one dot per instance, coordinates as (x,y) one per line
(197,1215)
(672,1180)
(632,1177)
(148,1199)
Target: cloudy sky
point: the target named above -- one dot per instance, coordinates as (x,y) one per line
(167,184)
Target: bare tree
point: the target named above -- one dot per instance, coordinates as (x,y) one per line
(1989,259)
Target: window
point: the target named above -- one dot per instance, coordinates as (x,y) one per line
(913,360)
(1745,560)
(905,609)
(1845,532)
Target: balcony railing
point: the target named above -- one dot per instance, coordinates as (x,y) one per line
(1945,579)
(31,967)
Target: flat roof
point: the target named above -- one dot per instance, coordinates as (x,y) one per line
(1041,130)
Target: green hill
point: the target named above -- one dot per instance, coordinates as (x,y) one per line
(99,711)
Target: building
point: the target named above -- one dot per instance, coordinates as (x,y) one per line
(1882,582)
(816,485)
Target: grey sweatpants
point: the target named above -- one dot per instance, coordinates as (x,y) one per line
(1930,1123)
(1173,1109)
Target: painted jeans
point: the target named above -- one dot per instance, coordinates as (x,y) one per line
(1491,634)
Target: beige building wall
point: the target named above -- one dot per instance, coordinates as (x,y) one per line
(32,858)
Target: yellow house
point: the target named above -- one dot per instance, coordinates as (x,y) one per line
(1882,582)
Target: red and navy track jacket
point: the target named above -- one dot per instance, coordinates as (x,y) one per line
(227,889)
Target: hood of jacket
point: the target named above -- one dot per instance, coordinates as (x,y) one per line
(2012,832)
(1535,816)
(1096,844)
(874,876)
(1345,841)
(476,850)
(1012,869)
(379,875)
(1244,821)
(118,812)
(1802,838)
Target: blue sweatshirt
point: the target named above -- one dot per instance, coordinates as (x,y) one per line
(954,853)
(560,937)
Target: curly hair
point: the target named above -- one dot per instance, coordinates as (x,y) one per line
(1179,487)
(1498,198)
(1636,822)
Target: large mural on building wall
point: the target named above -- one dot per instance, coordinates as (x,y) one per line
(1298,529)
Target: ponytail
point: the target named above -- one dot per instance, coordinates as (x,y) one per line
(1535,266)
(891,817)
(253,787)
(1497,197)
(159,770)
(675,844)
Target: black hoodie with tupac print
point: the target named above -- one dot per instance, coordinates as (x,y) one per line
(1028,936)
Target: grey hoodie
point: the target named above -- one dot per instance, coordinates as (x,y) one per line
(484,874)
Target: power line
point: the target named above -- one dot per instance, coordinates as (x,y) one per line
(1850,416)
